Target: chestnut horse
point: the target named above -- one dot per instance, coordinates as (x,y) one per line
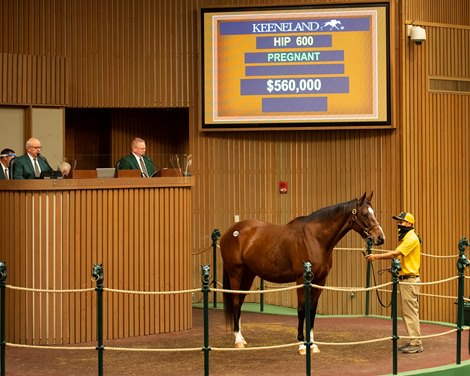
(277,254)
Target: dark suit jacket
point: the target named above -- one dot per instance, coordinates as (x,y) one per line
(22,167)
(2,174)
(130,163)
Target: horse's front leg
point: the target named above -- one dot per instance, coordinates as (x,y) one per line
(301,317)
(313,311)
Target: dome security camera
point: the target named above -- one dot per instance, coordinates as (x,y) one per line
(417,35)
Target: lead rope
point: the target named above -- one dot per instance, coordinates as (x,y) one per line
(375,282)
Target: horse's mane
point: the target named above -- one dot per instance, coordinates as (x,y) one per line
(327,212)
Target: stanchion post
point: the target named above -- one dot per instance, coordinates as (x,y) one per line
(369,250)
(462,263)
(396,267)
(205,272)
(98,275)
(215,237)
(308,277)
(3,279)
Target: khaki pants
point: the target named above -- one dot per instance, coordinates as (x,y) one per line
(410,309)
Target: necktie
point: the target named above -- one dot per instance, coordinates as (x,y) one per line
(143,167)
(6,174)
(36,168)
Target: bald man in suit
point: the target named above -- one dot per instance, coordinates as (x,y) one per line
(32,163)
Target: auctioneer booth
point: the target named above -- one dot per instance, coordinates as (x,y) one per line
(53,231)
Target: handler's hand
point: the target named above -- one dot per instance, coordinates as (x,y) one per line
(371,257)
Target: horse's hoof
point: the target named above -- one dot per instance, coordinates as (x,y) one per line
(239,345)
(313,349)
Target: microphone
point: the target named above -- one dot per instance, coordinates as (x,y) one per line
(45,161)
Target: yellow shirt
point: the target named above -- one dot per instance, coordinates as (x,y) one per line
(410,258)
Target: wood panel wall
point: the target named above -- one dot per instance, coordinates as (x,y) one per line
(435,147)
(54,231)
(145,54)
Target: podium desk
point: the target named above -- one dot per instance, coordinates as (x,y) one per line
(53,231)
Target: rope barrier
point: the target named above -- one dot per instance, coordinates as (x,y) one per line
(203,251)
(352,289)
(143,349)
(220,349)
(430,295)
(432,335)
(388,250)
(152,292)
(270,290)
(48,290)
(256,291)
(271,347)
(353,343)
(257,347)
(430,283)
(51,347)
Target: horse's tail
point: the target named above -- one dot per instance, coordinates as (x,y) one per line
(228,301)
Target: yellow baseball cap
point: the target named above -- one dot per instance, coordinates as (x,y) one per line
(404,216)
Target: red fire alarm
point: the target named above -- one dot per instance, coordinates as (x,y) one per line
(282,187)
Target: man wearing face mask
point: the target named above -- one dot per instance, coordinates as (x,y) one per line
(409,254)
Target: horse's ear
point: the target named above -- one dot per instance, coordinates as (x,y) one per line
(369,198)
(361,200)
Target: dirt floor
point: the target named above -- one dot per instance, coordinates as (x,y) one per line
(259,330)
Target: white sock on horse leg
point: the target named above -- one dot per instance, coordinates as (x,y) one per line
(238,335)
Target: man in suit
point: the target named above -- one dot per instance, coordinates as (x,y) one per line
(31,164)
(6,156)
(137,160)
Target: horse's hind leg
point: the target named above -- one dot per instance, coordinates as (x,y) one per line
(237,305)
(246,282)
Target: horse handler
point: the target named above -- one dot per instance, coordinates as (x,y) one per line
(409,254)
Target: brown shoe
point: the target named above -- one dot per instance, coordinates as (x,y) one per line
(413,349)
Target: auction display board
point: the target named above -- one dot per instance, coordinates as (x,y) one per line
(295,67)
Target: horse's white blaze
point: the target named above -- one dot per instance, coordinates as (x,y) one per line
(371,211)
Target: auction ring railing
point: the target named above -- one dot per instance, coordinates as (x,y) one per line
(97,275)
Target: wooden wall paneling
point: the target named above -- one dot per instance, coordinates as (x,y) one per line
(114,257)
(139,256)
(39,213)
(335,159)
(80,262)
(161,262)
(64,262)
(171,244)
(152,273)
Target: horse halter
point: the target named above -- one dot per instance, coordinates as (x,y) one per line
(364,228)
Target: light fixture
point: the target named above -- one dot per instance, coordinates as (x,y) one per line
(416,33)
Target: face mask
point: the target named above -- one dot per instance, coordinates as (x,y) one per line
(402,231)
